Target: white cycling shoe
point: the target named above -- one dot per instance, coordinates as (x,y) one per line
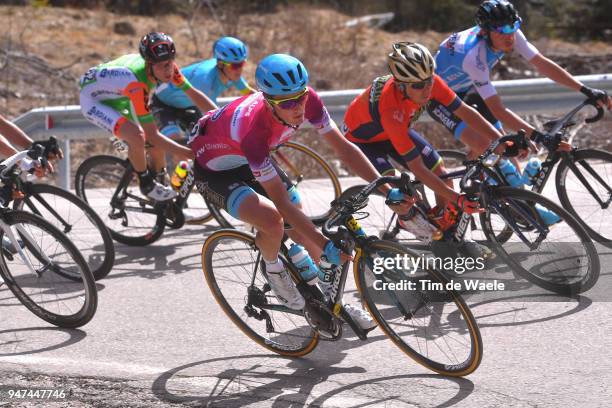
(284,288)
(360,316)
(161,193)
(357,313)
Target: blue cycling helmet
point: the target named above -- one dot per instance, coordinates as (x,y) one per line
(230,49)
(281,74)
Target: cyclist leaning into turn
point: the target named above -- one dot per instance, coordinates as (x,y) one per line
(232,148)
(175,112)
(114,96)
(465,59)
(379,122)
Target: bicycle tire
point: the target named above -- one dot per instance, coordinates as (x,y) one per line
(593,221)
(19,279)
(557,280)
(411,307)
(242,244)
(95,182)
(86,236)
(316,195)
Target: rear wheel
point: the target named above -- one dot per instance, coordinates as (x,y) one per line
(130,217)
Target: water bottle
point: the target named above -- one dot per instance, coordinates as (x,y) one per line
(304,263)
(549,217)
(180,172)
(510,173)
(531,171)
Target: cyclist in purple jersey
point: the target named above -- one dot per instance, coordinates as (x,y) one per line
(232,148)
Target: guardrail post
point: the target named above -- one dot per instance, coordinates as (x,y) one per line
(64,166)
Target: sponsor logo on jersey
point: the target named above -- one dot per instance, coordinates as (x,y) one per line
(96,113)
(398,116)
(113,73)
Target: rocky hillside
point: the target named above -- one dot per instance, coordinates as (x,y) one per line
(44,50)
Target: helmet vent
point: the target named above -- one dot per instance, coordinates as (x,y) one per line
(280,79)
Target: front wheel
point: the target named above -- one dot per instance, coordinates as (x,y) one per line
(584,186)
(109,185)
(557,256)
(427,321)
(232,267)
(76,219)
(45,271)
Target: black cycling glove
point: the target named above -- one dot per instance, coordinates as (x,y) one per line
(595,94)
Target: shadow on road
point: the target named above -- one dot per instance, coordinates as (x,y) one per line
(282,382)
(523,309)
(13,342)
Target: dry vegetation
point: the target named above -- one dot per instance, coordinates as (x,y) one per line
(44,50)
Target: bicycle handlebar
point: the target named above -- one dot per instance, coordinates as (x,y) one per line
(358,201)
(600,111)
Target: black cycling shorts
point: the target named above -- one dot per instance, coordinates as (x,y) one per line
(379,153)
(453,123)
(171,120)
(228,189)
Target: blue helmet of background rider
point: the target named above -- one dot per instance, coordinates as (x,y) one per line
(230,49)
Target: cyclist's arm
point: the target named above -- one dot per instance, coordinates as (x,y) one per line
(474,120)
(203,102)
(277,191)
(6,149)
(350,155)
(508,118)
(405,147)
(430,179)
(550,69)
(155,138)
(354,158)
(15,135)
(244,88)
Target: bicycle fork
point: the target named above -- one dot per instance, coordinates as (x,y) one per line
(19,248)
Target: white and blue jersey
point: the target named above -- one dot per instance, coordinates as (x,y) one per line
(203,76)
(464,60)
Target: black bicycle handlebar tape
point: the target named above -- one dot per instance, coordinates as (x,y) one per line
(598,115)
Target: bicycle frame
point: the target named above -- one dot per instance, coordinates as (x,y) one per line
(25,187)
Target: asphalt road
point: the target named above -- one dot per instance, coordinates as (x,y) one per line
(159,339)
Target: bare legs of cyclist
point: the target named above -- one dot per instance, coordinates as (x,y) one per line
(260,212)
(134,136)
(265,218)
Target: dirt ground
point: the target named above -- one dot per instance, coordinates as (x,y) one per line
(44,50)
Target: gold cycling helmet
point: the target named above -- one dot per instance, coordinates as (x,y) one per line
(411,62)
